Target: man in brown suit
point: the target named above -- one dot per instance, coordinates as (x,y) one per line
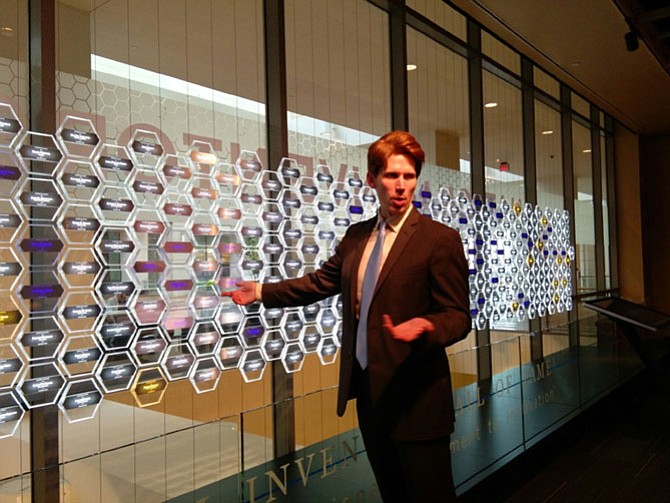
(409,274)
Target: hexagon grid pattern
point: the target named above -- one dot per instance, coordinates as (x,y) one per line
(128,250)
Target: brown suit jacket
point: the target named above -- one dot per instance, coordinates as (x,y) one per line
(425,275)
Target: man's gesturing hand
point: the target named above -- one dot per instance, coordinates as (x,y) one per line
(408,330)
(245,293)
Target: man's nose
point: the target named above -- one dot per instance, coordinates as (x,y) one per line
(400,184)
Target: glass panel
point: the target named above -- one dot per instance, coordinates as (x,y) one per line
(441,14)
(501,53)
(15,435)
(439,118)
(580,105)
(548,157)
(546,82)
(605,204)
(585,266)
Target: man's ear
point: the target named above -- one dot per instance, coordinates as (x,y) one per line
(371,180)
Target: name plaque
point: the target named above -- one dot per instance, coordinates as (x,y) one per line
(79,137)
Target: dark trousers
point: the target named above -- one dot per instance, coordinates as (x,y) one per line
(417,471)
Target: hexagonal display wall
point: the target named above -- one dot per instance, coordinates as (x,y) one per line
(113,259)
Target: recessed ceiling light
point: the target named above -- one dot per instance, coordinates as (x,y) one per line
(490,104)
(411,67)
(548,131)
(576,64)
(7,31)
(587,150)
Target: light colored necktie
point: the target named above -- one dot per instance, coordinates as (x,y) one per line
(368,288)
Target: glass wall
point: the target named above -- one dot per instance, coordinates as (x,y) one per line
(154,192)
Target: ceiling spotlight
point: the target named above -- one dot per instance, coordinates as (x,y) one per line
(586,151)
(411,67)
(490,104)
(632,41)
(7,31)
(548,131)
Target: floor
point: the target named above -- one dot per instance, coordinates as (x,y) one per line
(619,450)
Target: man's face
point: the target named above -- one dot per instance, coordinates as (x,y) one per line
(395,185)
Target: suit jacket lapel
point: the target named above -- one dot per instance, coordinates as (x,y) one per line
(399,245)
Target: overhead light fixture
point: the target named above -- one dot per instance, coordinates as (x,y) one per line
(411,67)
(490,104)
(586,151)
(7,31)
(548,131)
(632,40)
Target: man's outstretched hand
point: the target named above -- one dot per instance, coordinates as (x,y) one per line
(245,293)
(409,330)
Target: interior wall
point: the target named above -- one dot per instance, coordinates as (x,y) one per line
(629,221)
(654,187)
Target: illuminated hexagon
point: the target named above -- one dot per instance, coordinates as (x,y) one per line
(308,189)
(229,317)
(228,211)
(202,158)
(249,166)
(340,222)
(146,150)
(309,219)
(311,312)
(291,264)
(271,185)
(293,325)
(289,172)
(12,172)
(148,306)
(177,362)
(40,384)
(202,194)
(79,224)
(116,330)
(11,129)
(149,386)
(309,342)
(148,227)
(177,285)
(39,199)
(272,250)
(78,137)
(291,234)
(290,202)
(205,301)
(176,173)
(114,206)
(113,163)
(79,355)
(228,248)
(204,339)
(148,189)
(252,365)
(203,229)
(12,222)
(40,153)
(11,410)
(251,264)
(11,364)
(177,321)
(309,250)
(251,198)
(176,247)
(230,352)
(42,292)
(11,269)
(327,321)
(148,346)
(115,288)
(356,209)
(271,217)
(227,179)
(115,247)
(341,194)
(292,357)
(324,204)
(80,311)
(78,181)
(116,372)
(272,345)
(80,400)
(252,331)
(205,375)
(327,350)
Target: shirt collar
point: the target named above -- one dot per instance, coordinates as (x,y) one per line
(396,222)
